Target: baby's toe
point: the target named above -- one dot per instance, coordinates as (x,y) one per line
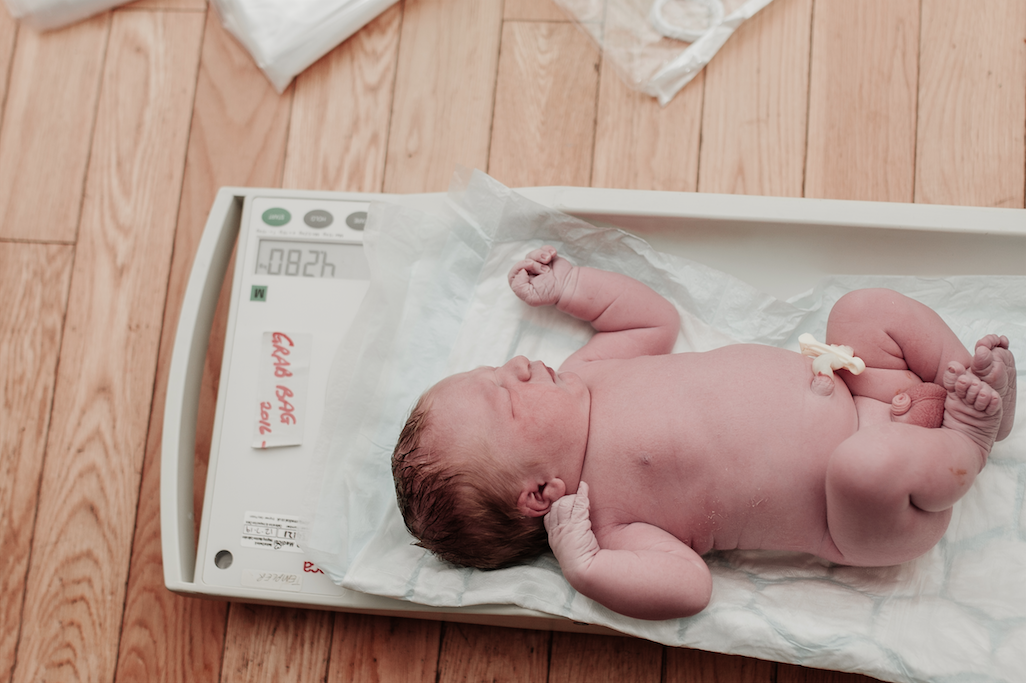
(987,400)
(952,373)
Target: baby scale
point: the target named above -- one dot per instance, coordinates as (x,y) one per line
(300,276)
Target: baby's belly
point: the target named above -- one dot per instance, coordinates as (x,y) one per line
(724,450)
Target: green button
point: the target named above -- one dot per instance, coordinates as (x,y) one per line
(258,293)
(276,217)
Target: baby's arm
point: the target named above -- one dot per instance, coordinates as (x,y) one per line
(630,318)
(643,572)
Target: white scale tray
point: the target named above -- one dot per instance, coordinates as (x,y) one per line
(253,496)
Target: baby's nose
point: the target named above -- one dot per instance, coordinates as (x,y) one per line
(521,367)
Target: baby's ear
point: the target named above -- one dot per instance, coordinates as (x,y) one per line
(536,499)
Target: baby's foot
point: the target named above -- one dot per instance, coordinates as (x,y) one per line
(972,407)
(995,365)
(921,405)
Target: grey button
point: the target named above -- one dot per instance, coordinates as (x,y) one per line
(357,220)
(318,218)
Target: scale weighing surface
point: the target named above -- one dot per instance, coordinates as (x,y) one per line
(299,280)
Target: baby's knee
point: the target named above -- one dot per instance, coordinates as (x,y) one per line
(864,304)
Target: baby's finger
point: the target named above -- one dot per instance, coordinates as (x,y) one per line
(558,513)
(527,268)
(581,510)
(543,254)
(518,280)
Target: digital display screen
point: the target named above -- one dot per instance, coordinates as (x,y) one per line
(311,259)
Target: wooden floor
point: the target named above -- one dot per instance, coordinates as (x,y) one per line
(116,133)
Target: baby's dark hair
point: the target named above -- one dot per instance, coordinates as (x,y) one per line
(457,512)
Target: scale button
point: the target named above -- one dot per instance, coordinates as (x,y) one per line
(318,218)
(276,217)
(357,220)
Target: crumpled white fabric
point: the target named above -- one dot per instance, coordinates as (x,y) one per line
(286,36)
(439,303)
(44,15)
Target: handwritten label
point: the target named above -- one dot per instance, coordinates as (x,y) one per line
(279,581)
(283,370)
(271,532)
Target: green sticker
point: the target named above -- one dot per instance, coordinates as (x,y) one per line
(258,293)
(276,217)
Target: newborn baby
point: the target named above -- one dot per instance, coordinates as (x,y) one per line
(742,447)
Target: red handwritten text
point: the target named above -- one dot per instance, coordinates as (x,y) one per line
(278,353)
(265,417)
(287,409)
(311,568)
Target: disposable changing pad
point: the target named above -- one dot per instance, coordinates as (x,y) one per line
(439,303)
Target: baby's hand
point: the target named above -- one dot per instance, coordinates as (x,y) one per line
(539,279)
(569,526)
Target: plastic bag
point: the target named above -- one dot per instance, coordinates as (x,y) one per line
(44,15)
(286,36)
(658,46)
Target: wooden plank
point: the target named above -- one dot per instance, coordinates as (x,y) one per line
(640,145)
(492,653)
(276,645)
(8,31)
(34,282)
(445,88)
(334,145)
(787,673)
(695,666)
(756,94)
(543,129)
(90,483)
(533,10)
(238,133)
(585,658)
(47,129)
(368,649)
(972,53)
(862,100)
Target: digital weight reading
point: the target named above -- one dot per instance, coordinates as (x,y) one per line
(310,259)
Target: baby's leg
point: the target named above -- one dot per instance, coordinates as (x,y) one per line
(890,486)
(995,365)
(902,341)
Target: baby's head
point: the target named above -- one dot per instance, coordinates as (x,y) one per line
(474,463)
(457,500)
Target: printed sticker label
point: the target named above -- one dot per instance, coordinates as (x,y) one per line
(283,371)
(271,532)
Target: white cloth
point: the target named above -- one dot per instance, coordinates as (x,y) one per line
(439,304)
(286,36)
(44,15)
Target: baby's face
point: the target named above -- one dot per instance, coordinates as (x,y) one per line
(523,410)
